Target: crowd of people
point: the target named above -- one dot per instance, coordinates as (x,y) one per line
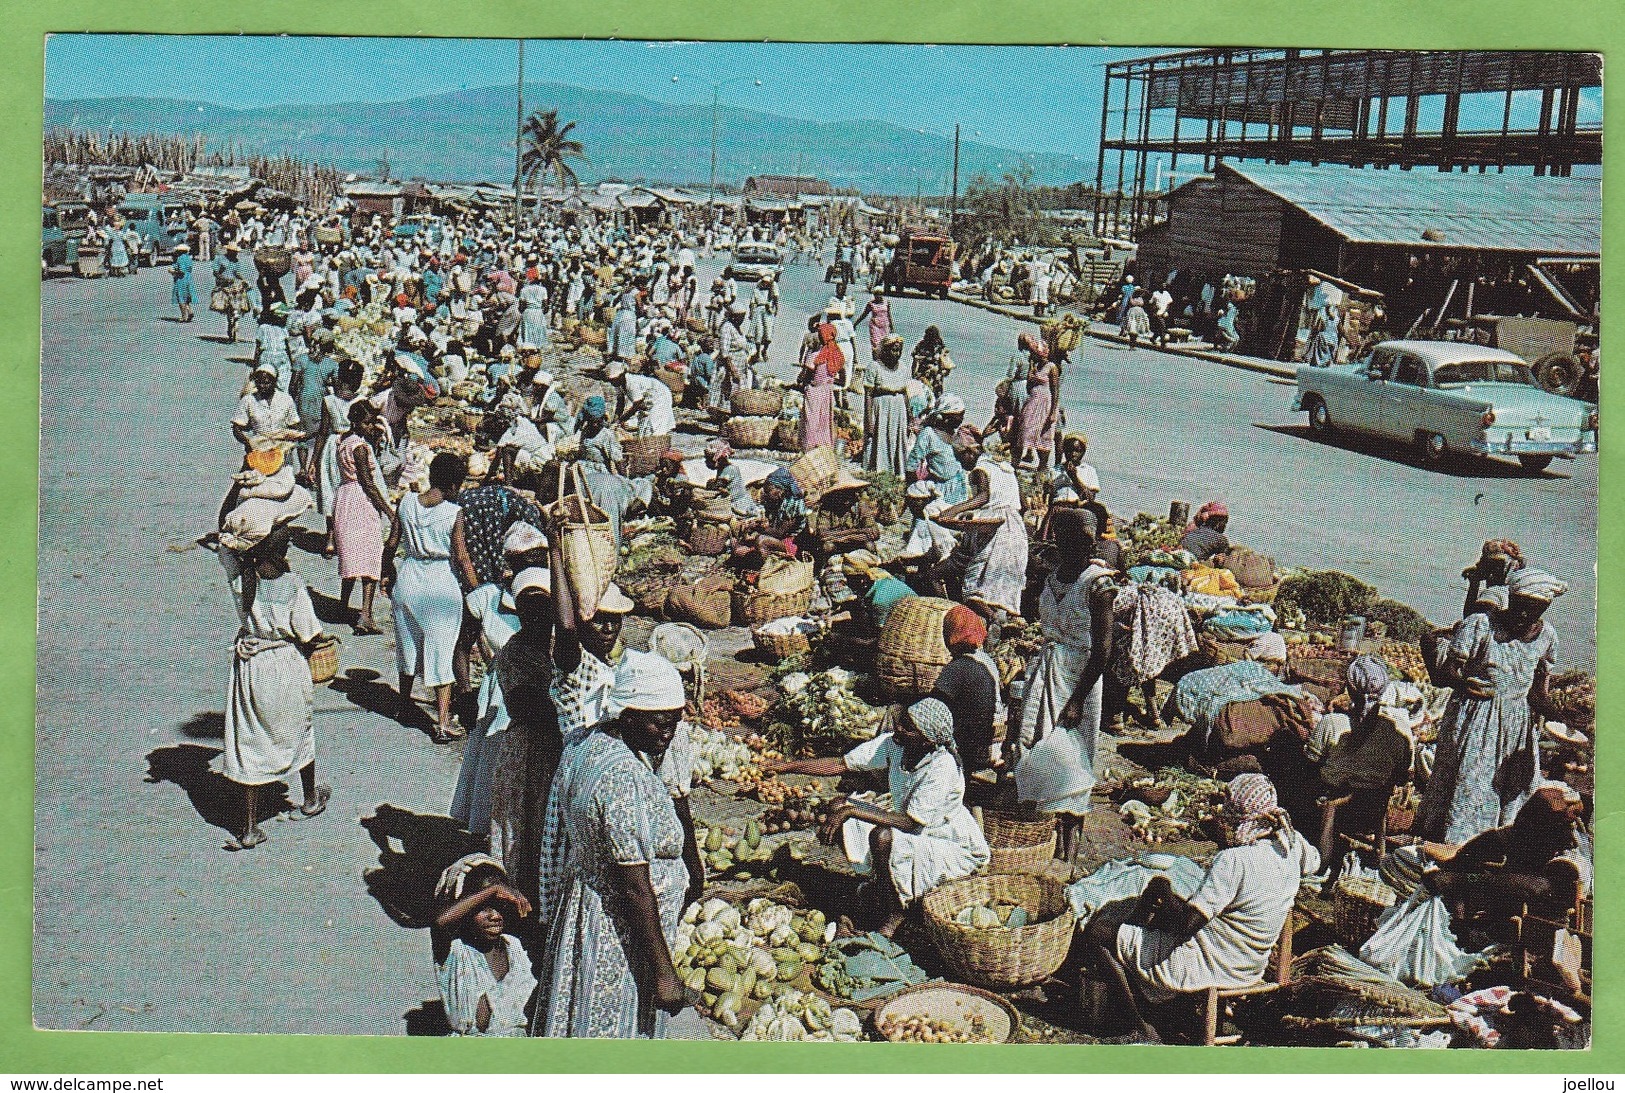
(576,771)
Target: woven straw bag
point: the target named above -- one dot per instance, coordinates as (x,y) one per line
(586,543)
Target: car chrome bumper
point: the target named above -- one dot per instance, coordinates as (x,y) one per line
(1512,445)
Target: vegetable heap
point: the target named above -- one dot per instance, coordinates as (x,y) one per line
(798,1015)
(822,713)
(919,1029)
(867,967)
(731,956)
(993,915)
(1186,801)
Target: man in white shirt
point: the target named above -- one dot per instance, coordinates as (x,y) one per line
(1161,302)
(648,407)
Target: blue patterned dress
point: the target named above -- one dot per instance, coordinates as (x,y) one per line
(1486,763)
(608,808)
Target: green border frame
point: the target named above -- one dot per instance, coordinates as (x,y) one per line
(1437,24)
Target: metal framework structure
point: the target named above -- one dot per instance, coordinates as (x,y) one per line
(1362,108)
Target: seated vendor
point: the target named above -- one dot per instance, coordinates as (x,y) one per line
(844,519)
(600,448)
(1363,754)
(927,837)
(728,481)
(1161,946)
(929,544)
(1495,875)
(672,494)
(1205,537)
(874,587)
(783,519)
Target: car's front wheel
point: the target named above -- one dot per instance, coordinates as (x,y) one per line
(1320,419)
(1534,464)
(1432,446)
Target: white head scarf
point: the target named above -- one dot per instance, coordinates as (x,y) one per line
(645,681)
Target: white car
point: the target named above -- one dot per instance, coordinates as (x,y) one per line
(1449,397)
(753,261)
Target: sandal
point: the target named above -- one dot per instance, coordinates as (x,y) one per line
(316,807)
(365,629)
(447,734)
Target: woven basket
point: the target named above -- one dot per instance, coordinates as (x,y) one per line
(652,600)
(1018,845)
(275,261)
(754,608)
(781,646)
(674,380)
(1322,671)
(952,1003)
(472,420)
(710,539)
(751,432)
(1002,957)
(594,336)
(695,324)
(328,233)
(643,454)
(761,402)
(324,662)
(1355,907)
(787,435)
(1219,652)
(816,469)
(911,653)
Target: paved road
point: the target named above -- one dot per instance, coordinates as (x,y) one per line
(1164,427)
(143,922)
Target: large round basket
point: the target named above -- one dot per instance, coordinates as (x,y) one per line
(754,608)
(1355,906)
(273,260)
(751,432)
(760,402)
(595,336)
(816,469)
(911,653)
(324,662)
(1002,957)
(643,454)
(1322,671)
(676,381)
(781,646)
(953,1004)
(1018,844)
(710,539)
(329,234)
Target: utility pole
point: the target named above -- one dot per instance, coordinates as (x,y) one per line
(711,200)
(953,205)
(519,142)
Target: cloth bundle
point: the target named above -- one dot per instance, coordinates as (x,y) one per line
(1153,630)
(1201,697)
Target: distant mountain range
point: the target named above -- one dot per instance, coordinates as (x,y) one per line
(468,136)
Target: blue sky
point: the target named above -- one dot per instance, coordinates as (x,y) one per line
(1042,99)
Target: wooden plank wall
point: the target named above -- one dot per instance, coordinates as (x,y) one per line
(1215,227)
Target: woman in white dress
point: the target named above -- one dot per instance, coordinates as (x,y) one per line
(927,837)
(428,601)
(1054,755)
(992,550)
(269,701)
(533,319)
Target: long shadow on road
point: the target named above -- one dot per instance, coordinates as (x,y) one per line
(413,850)
(1456,466)
(211,794)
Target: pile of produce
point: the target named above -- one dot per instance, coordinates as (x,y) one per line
(1405,660)
(728,850)
(731,709)
(918,1029)
(772,790)
(798,1015)
(1327,596)
(733,956)
(1018,641)
(1146,535)
(1170,804)
(718,755)
(995,914)
(820,713)
(802,812)
(867,967)
(1573,696)
(887,491)
(1404,622)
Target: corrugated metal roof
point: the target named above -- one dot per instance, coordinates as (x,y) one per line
(1551,216)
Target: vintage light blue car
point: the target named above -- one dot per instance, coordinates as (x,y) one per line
(1449,397)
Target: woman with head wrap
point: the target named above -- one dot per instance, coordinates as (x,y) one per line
(600,448)
(1054,755)
(820,372)
(1363,754)
(784,516)
(614,879)
(1035,432)
(1160,945)
(931,363)
(728,480)
(927,837)
(268,733)
(934,457)
(1487,761)
(969,686)
(885,409)
(875,586)
(1498,561)
(1204,537)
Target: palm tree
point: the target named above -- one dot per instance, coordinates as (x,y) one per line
(548,148)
